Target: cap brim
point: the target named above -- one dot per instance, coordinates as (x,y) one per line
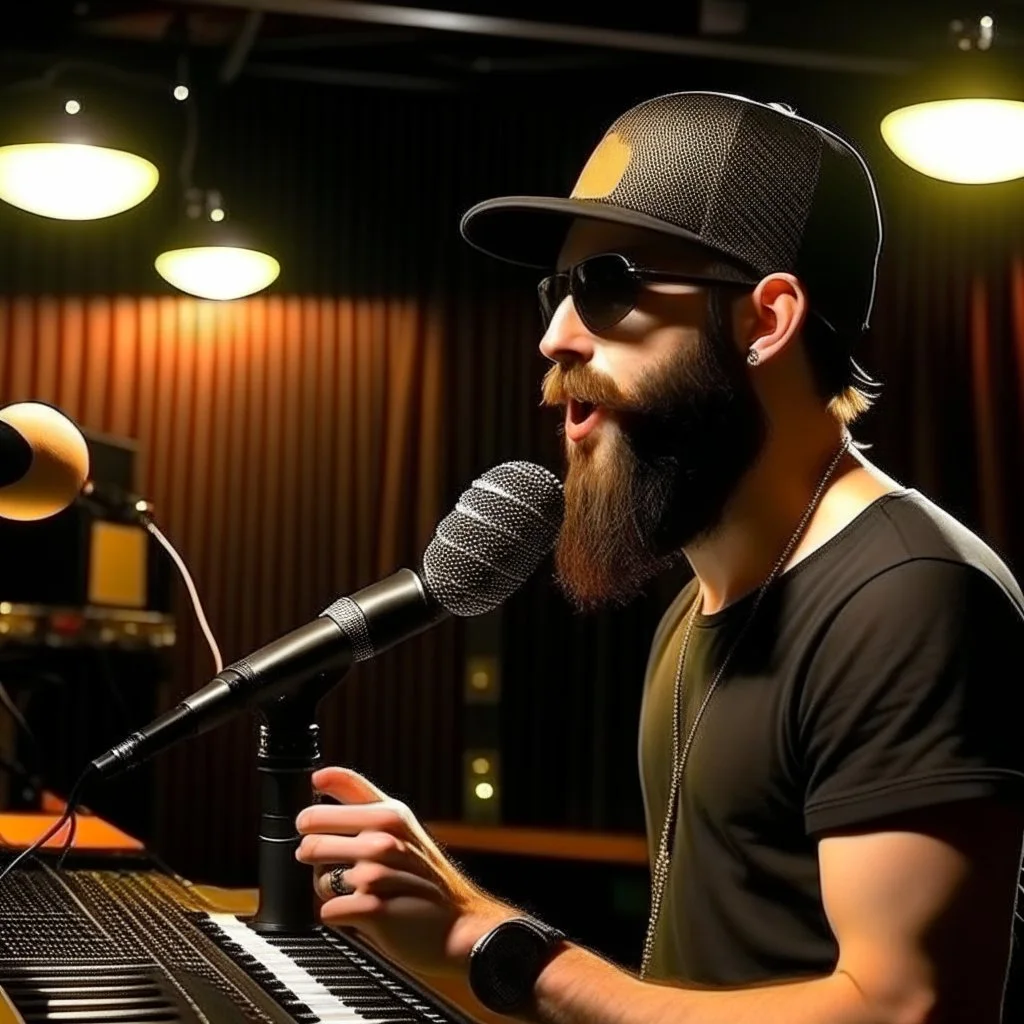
(530,230)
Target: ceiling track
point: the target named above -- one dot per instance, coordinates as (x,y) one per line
(573,35)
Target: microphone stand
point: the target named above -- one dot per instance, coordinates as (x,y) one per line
(287,755)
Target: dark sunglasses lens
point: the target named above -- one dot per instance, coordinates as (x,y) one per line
(604,290)
(551,293)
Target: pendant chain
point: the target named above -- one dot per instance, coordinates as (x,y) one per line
(659,874)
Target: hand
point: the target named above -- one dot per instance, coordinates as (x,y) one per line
(402,891)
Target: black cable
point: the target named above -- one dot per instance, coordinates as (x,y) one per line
(69,840)
(69,812)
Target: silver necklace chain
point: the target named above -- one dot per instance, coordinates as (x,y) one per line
(659,874)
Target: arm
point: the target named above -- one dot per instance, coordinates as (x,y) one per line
(921,906)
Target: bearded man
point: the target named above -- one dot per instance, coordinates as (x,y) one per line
(830,740)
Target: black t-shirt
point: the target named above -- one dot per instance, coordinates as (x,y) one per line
(880,674)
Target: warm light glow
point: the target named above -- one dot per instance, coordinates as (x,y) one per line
(217,271)
(480,680)
(481,766)
(72,107)
(484,790)
(180,92)
(72,181)
(972,141)
(216,215)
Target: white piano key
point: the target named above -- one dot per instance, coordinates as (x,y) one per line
(330,1008)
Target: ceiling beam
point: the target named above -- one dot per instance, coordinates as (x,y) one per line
(576,35)
(334,76)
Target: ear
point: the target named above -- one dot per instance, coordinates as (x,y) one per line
(780,307)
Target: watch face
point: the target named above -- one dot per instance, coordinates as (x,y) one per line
(504,970)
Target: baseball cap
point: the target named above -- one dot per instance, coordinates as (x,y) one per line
(764,189)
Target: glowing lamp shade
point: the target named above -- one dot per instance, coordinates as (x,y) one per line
(70,181)
(971,141)
(217,271)
(63,155)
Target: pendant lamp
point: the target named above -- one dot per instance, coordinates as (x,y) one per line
(212,256)
(961,118)
(61,157)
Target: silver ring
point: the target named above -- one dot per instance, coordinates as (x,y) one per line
(336,879)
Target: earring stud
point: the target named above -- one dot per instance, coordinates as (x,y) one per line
(753,357)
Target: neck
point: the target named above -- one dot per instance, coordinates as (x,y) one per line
(766,509)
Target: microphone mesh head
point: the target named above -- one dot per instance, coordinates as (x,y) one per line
(494,538)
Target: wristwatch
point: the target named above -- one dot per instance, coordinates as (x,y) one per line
(504,964)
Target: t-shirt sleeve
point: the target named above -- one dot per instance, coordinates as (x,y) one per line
(913,697)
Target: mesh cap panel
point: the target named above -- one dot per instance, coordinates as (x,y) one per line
(763,188)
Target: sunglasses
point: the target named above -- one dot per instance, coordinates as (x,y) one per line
(605,289)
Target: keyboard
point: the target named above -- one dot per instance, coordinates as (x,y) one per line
(319,977)
(134,945)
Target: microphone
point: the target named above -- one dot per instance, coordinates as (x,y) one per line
(481,553)
(44,461)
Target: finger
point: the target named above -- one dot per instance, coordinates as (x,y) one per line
(380,847)
(355,911)
(331,882)
(330,849)
(368,878)
(346,785)
(334,819)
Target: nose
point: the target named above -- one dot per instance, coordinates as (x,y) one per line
(567,338)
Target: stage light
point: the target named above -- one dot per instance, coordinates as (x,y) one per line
(215,258)
(962,117)
(59,160)
(180,93)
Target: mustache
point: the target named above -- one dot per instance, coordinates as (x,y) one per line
(583,384)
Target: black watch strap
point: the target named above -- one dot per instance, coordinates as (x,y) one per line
(504,964)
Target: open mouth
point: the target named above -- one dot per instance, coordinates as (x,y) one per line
(581,418)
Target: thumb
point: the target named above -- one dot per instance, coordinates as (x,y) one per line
(347,786)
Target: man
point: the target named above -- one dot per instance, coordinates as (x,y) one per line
(830,741)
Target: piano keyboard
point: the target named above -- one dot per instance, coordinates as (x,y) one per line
(134,946)
(316,979)
(91,993)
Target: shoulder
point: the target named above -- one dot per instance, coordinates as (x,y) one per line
(925,608)
(917,529)
(900,558)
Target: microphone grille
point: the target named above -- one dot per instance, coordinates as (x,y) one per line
(492,541)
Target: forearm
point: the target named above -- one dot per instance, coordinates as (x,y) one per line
(578,987)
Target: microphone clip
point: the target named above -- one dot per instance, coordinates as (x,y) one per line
(113,502)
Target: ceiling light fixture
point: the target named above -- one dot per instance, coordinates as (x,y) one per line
(209,254)
(213,257)
(963,118)
(60,159)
